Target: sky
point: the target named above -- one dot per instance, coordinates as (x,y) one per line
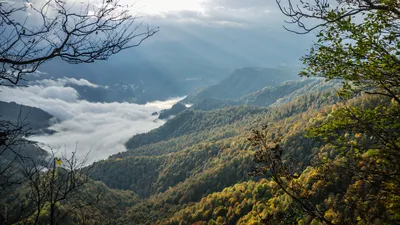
(245,33)
(228,34)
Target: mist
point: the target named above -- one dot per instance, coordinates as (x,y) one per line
(94,130)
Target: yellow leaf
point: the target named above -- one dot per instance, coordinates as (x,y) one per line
(58,162)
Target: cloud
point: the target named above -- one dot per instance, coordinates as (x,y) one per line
(226,13)
(46,97)
(64,81)
(158,6)
(98,128)
(240,4)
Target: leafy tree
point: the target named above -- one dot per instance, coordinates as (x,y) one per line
(358,44)
(284,171)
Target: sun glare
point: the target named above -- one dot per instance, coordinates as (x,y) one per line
(161,6)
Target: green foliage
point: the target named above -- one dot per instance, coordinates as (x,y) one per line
(191,121)
(172,174)
(364,143)
(92,203)
(269,95)
(364,54)
(199,172)
(354,176)
(227,206)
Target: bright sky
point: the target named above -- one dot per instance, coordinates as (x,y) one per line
(160,6)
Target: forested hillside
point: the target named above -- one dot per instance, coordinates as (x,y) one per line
(264,97)
(194,154)
(174,172)
(192,121)
(260,147)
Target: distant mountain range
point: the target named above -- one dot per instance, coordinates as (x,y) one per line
(248,86)
(143,81)
(139,81)
(240,83)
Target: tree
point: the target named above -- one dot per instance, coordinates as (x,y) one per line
(358,43)
(12,151)
(54,181)
(32,33)
(283,170)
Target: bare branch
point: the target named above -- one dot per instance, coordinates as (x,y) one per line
(320,12)
(75,33)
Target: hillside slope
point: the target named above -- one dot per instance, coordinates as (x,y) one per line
(191,121)
(203,156)
(263,98)
(240,83)
(34,118)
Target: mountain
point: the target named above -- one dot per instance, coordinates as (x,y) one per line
(270,94)
(16,122)
(195,168)
(149,83)
(95,204)
(214,103)
(198,154)
(240,83)
(33,118)
(262,98)
(142,76)
(178,61)
(174,110)
(192,121)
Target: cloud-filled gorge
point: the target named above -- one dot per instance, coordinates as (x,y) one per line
(100,129)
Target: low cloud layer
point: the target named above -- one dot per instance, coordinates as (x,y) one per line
(64,81)
(96,129)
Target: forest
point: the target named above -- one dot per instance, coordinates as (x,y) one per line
(260,147)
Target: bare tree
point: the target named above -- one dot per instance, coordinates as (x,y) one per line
(49,183)
(12,151)
(34,32)
(318,13)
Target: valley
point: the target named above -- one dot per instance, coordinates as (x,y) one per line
(200,112)
(203,149)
